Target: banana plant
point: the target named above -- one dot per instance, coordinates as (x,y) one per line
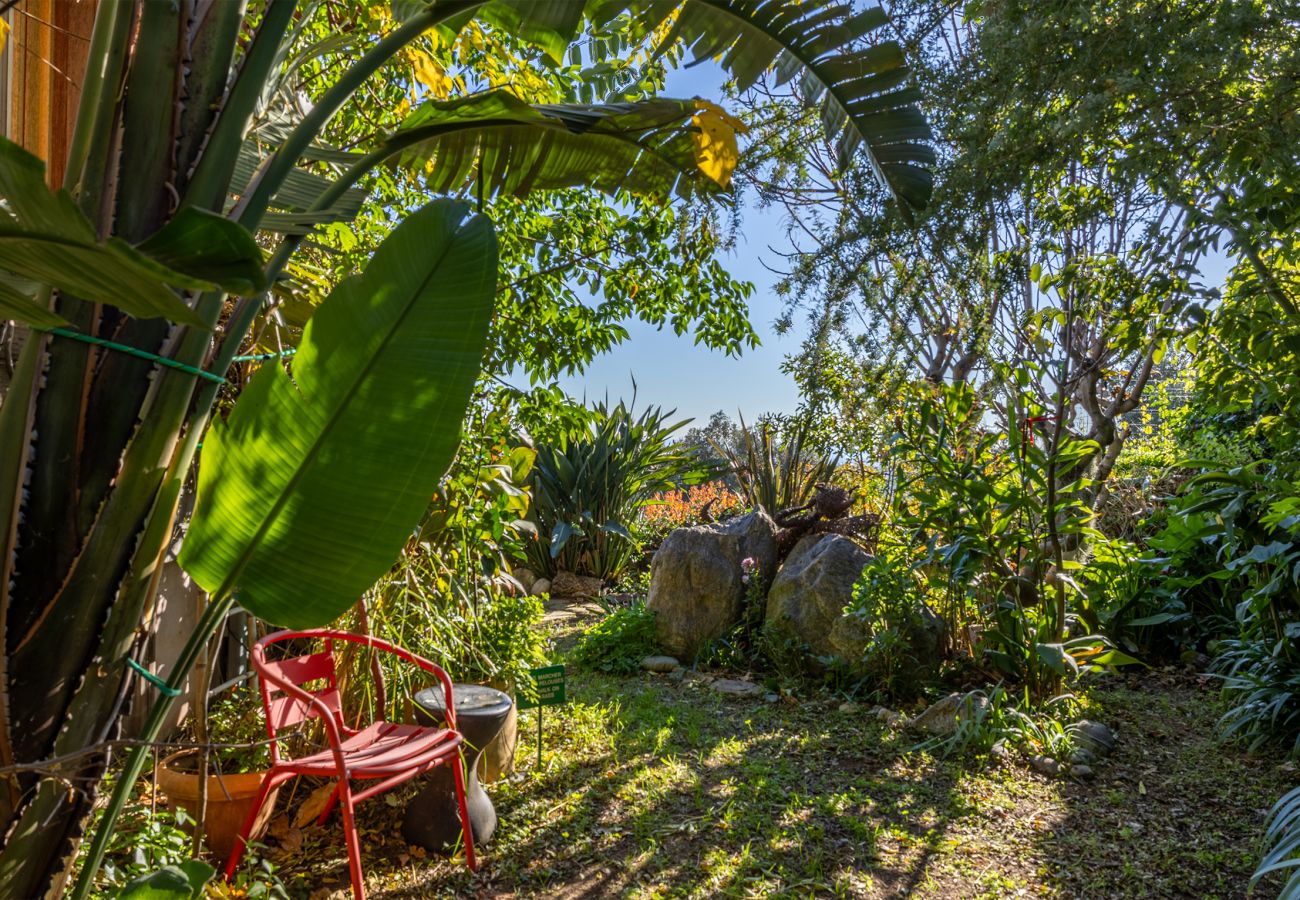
(145,275)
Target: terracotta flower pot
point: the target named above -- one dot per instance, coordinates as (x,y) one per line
(230,797)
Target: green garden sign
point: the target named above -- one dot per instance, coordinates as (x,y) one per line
(547,690)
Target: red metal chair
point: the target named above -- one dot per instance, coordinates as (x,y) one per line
(384,752)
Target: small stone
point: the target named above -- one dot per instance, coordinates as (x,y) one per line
(526,578)
(1082,756)
(1094,737)
(736,688)
(887,717)
(540,586)
(942,716)
(660,664)
(577,587)
(677,674)
(1000,751)
(1045,765)
(1081,771)
(848,707)
(771,698)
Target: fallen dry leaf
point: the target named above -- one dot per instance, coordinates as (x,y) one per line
(314,805)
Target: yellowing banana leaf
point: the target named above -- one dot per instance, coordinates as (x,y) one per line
(309,490)
(839,55)
(649,147)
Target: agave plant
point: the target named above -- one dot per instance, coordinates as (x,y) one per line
(588,488)
(777,471)
(148,266)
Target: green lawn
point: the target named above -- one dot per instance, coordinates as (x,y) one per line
(655,788)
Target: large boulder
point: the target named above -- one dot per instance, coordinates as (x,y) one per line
(807,599)
(696,590)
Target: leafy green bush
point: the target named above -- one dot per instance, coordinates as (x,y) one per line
(975,515)
(619,642)
(152,848)
(1261,685)
(1134,599)
(887,601)
(588,487)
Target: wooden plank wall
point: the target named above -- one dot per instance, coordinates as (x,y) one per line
(47,61)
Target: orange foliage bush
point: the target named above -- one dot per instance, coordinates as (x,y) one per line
(673,509)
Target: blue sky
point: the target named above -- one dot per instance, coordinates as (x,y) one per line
(671,371)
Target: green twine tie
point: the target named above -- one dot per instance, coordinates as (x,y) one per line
(134,351)
(153,679)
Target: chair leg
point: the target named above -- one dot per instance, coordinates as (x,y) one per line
(241,842)
(458,765)
(354,843)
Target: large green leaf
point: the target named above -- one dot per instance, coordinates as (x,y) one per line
(204,245)
(311,487)
(647,147)
(549,24)
(45,238)
(843,65)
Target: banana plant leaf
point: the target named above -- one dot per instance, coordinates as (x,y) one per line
(45,238)
(839,60)
(651,147)
(309,490)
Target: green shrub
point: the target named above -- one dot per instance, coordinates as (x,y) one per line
(619,642)
(1282,846)
(887,602)
(1261,685)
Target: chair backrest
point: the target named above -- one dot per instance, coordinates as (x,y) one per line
(286,708)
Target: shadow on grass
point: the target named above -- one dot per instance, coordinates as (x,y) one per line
(651,788)
(1173,812)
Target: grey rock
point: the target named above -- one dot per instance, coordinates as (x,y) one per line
(735,688)
(808,596)
(540,586)
(1045,765)
(807,600)
(660,663)
(848,707)
(1094,737)
(771,698)
(696,592)
(1081,771)
(888,717)
(943,716)
(526,578)
(677,674)
(1000,751)
(1082,756)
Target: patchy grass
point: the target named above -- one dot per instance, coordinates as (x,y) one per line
(654,788)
